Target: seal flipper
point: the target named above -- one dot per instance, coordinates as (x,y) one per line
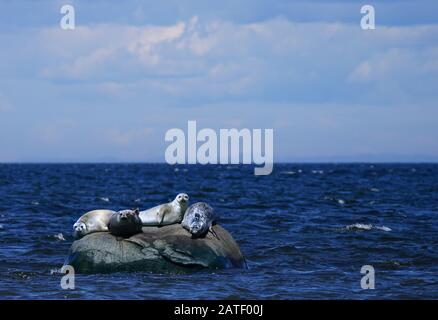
(213,232)
(160,215)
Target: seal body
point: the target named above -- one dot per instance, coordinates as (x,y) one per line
(199,218)
(92,221)
(125,223)
(165,214)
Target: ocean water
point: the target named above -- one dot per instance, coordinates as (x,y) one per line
(305,230)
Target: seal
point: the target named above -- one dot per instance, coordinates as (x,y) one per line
(125,223)
(165,214)
(92,221)
(199,219)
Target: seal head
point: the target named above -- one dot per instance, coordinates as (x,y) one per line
(79,229)
(125,223)
(181,201)
(198,219)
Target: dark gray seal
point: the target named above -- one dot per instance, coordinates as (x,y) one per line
(125,223)
(199,219)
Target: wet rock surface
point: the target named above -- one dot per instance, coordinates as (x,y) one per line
(167,249)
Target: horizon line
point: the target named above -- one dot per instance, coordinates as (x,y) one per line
(223,164)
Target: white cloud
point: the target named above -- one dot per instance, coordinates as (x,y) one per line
(389,64)
(362,72)
(147,40)
(84,65)
(275,59)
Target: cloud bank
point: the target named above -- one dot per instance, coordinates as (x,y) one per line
(342,90)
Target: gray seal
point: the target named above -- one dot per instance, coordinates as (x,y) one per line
(125,223)
(199,219)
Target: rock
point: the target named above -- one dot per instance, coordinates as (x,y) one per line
(167,249)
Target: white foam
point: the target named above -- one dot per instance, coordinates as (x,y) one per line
(56,272)
(363,226)
(359,226)
(60,237)
(383,228)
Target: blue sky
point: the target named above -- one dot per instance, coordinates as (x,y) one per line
(111,88)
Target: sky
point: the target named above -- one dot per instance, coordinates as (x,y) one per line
(110,89)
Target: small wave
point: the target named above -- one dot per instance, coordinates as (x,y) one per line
(359,226)
(288,172)
(22,275)
(383,228)
(104,199)
(59,237)
(341,201)
(389,265)
(282,249)
(375,190)
(208,189)
(56,272)
(366,227)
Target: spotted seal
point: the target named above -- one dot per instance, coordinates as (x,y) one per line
(199,219)
(165,214)
(125,223)
(92,221)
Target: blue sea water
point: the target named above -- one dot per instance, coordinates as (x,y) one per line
(305,230)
